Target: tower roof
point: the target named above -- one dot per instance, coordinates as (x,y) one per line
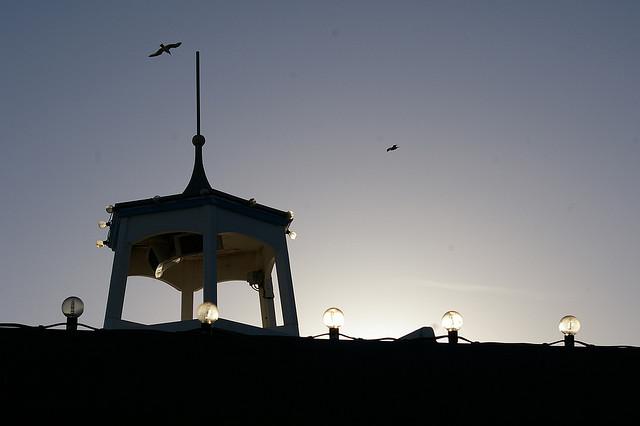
(212,196)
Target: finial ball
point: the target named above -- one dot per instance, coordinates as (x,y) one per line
(198,140)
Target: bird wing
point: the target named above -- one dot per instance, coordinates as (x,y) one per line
(389,149)
(156,53)
(171,46)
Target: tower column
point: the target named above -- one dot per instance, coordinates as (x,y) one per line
(267,309)
(210,243)
(119,273)
(285,285)
(187,305)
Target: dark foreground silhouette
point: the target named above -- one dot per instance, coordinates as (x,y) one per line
(225,378)
(392,148)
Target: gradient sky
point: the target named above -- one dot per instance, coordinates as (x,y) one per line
(513,198)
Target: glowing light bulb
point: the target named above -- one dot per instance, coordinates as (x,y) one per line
(72,307)
(99,243)
(207,313)
(109,209)
(291,215)
(292,234)
(333,318)
(102,224)
(452,321)
(569,325)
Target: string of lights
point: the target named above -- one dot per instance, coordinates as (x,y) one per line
(207,313)
(103,224)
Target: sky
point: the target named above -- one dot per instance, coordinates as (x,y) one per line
(513,197)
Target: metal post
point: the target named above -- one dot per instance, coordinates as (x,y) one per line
(72,323)
(334,333)
(198,91)
(569,341)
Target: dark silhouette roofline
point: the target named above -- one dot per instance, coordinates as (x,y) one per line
(291,380)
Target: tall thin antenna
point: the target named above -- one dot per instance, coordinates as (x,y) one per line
(198,90)
(198,184)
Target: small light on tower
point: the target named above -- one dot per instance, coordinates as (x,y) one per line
(163,266)
(452,322)
(334,319)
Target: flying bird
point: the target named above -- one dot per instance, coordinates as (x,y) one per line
(164,48)
(392,148)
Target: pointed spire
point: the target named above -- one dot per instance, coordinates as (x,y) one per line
(198,185)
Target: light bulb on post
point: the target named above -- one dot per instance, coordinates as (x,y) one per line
(452,322)
(334,319)
(103,224)
(569,326)
(72,308)
(109,209)
(207,314)
(292,234)
(100,244)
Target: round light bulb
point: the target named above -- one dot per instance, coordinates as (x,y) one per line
(72,307)
(109,209)
(291,215)
(333,318)
(452,321)
(102,224)
(569,325)
(99,243)
(207,313)
(292,235)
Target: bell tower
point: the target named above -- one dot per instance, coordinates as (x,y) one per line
(197,239)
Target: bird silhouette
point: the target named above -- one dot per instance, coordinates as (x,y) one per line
(392,148)
(164,48)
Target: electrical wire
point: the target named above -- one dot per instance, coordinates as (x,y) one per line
(43,327)
(392,339)
(13,325)
(53,325)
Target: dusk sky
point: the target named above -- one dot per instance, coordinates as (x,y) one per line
(513,198)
